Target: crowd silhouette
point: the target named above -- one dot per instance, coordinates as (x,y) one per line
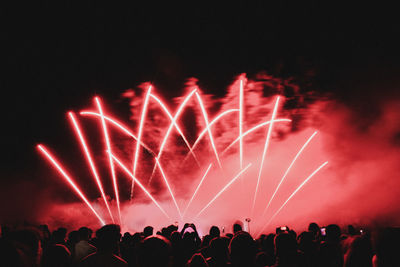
(328,246)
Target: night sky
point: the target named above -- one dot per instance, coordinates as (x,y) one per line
(57,56)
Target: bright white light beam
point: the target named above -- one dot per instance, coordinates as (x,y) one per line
(294,193)
(265,151)
(203,110)
(70,181)
(197,189)
(223,189)
(287,171)
(90,161)
(114,178)
(139,184)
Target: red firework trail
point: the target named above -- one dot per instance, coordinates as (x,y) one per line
(241,124)
(43,150)
(265,151)
(107,140)
(168,186)
(222,190)
(197,189)
(287,171)
(293,194)
(202,133)
(140,130)
(162,105)
(177,114)
(90,161)
(203,110)
(140,184)
(252,130)
(120,126)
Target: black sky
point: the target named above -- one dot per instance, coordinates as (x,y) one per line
(56,56)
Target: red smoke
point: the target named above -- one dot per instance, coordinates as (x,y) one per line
(360,184)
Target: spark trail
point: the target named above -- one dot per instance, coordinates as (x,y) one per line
(287,171)
(265,152)
(162,105)
(90,161)
(107,140)
(58,166)
(293,194)
(203,110)
(223,190)
(241,123)
(139,184)
(197,189)
(140,130)
(177,114)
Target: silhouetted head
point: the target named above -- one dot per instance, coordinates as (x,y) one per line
(108,238)
(237,227)
(351,230)
(214,231)
(285,246)
(314,228)
(154,251)
(148,231)
(197,260)
(242,249)
(333,233)
(84,233)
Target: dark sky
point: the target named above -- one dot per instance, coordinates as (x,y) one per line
(56,56)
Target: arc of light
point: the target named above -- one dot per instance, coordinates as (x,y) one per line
(203,110)
(139,184)
(241,124)
(252,130)
(58,166)
(106,137)
(173,121)
(223,189)
(177,114)
(90,161)
(287,171)
(265,151)
(215,120)
(120,126)
(140,130)
(197,189)
(294,193)
(168,186)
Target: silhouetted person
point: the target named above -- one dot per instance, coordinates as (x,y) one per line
(351,230)
(108,238)
(197,260)
(27,243)
(387,247)
(56,256)
(214,232)
(286,251)
(218,252)
(154,251)
(359,253)
(237,228)
(315,230)
(242,250)
(148,231)
(331,254)
(82,247)
(309,247)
